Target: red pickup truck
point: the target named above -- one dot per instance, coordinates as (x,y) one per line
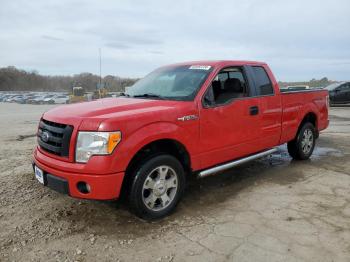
(194,118)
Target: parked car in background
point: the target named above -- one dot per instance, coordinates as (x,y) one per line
(34,99)
(11,98)
(19,99)
(28,97)
(3,97)
(7,97)
(60,99)
(339,93)
(48,99)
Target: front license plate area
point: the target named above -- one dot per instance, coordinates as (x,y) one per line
(39,174)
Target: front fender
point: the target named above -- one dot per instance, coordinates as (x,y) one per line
(132,143)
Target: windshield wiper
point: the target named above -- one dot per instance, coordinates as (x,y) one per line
(148,95)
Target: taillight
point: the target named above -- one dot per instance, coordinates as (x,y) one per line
(327,102)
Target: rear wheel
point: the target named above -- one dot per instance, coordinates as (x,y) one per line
(303,145)
(157,187)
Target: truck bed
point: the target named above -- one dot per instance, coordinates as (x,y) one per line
(296,104)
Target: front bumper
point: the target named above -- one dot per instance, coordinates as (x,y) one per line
(102,186)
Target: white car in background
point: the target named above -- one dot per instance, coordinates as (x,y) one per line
(60,99)
(298,87)
(12,98)
(39,99)
(48,99)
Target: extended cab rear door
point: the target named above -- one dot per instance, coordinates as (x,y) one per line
(270,105)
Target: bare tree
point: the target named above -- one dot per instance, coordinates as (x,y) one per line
(13,79)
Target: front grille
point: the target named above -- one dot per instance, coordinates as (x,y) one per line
(54,137)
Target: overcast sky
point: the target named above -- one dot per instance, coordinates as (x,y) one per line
(299,39)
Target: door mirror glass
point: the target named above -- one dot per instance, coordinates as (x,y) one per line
(208,99)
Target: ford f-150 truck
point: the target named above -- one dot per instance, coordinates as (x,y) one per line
(194,118)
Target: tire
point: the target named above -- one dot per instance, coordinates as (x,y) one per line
(303,145)
(157,187)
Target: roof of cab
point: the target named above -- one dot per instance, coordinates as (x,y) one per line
(216,63)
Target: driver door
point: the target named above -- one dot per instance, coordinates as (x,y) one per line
(229,119)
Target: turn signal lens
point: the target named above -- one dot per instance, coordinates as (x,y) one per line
(113,141)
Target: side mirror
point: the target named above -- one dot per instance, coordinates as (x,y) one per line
(207,101)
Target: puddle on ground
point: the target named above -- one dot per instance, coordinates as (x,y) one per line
(325,151)
(281,157)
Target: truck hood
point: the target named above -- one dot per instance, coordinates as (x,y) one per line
(89,115)
(102,107)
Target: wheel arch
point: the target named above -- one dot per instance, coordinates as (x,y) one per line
(170,146)
(166,145)
(309,117)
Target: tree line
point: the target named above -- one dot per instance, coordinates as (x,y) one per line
(312,83)
(14,79)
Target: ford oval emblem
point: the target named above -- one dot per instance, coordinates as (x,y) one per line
(45,136)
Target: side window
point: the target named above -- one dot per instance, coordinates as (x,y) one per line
(238,75)
(263,83)
(345,87)
(222,77)
(229,84)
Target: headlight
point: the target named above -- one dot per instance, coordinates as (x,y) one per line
(95,143)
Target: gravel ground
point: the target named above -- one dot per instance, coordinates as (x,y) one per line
(271,209)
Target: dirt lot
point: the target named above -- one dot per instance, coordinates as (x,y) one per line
(272,209)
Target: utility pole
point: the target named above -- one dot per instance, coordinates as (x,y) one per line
(100,86)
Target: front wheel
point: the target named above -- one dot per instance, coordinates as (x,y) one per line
(303,145)
(157,187)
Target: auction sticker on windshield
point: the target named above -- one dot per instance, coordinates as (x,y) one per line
(39,174)
(200,67)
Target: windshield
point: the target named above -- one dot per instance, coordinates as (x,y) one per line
(174,83)
(333,86)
